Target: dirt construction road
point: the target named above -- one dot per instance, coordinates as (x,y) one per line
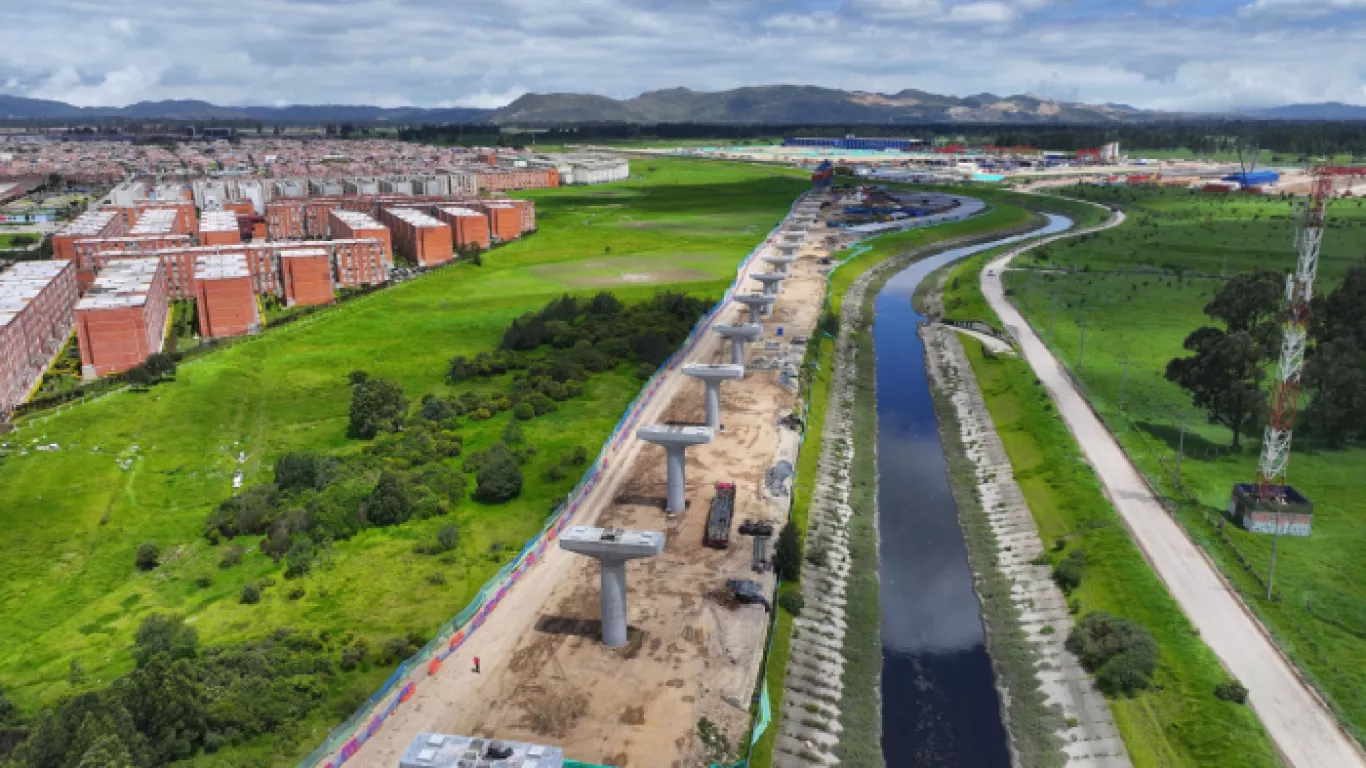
(1303,728)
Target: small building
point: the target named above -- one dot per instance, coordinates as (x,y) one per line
(1288,509)
(219,228)
(435,750)
(122,319)
(224,297)
(307,274)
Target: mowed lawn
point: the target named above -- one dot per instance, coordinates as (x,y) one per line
(137,467)
(1136,299)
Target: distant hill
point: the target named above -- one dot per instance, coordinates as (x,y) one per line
(769,104)
(1328,110)
(799,104)
(19,108)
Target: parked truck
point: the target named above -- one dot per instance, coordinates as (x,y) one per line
(719,517)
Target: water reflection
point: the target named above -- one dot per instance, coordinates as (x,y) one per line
(939,701)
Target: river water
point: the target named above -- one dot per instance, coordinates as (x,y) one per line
(940,707)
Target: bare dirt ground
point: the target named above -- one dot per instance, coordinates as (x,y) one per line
(693,652)
(1305,731)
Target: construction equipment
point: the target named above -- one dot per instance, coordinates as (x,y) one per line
(749,592)
(762,531)
(717,533)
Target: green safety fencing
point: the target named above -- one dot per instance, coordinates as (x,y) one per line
(346,740)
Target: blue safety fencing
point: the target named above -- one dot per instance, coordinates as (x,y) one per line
(346,740)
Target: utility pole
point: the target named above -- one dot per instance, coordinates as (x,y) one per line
(1180,448)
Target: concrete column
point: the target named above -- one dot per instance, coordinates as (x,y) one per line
(756,313)
(737,348)
(677,468)
(714,403)
(613,573)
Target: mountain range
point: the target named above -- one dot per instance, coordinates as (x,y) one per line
(772,105)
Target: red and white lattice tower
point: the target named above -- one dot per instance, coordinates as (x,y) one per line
(1299,291)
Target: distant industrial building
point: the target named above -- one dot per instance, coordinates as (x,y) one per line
(36,314)
(856,142)
(122,319)
(420,237)
(224,299)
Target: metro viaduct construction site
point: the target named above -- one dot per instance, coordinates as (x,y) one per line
(694,640)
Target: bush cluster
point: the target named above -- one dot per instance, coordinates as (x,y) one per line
(1121,654)
(181,699)
(1068,571)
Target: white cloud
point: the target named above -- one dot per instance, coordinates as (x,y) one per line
(1305,8)
(985,12)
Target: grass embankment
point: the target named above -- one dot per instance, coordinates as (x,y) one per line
(1178,722)
(817,396)
(136,467)
(1140,290)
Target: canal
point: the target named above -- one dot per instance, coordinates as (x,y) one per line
(940,707)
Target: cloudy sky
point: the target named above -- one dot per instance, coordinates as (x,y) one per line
(1170,54)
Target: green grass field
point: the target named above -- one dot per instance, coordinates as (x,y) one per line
(1179,722)
(136,467)
(1136,307)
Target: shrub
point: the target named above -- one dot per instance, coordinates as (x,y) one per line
(787,556)
(1121,654)
(498,478)
(792,601)
(296,593)
(1231,690)
(448,537)
(231,556)
(524,411)
(377,405)
(818,554)
(555,473)
(148,556)
(299,557)
(436,578)
(251,594)
(1068,572)
(203,582)
(390,502)
(645,371)
(301,471)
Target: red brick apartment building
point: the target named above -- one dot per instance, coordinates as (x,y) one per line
(219,228)
(505,221)
(88,226)
(121,320)
(303,217)
(352,225)
(225,301)
(468,226)
(419,236)
(92,255)
(504,179)
(307,274)
(183,218)
(36,303)
(353,263)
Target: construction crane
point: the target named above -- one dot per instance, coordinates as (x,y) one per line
(1299,291)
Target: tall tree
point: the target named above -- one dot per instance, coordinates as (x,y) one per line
(1336,375)
(377,405)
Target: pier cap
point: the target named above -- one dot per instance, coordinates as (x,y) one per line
(707,371)
(611,542)
(675,434)
(755,299)
(769,277)
(750,332)
(783,259)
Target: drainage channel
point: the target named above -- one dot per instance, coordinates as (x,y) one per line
(940,706)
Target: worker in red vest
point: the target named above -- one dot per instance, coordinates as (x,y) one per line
(476,665)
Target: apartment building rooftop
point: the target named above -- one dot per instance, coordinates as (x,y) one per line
(415,218)
(89,223)
(456,210)
(156,221)
(23,283)
(303,253)
(357,220)
(218,221)
(221,266)
(123,283)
